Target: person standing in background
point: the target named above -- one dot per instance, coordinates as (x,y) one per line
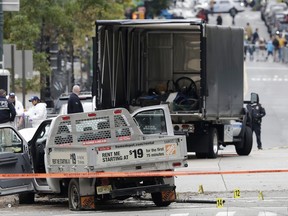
(219,19)
(255,36)
(269,48)
(74,103)
(37,113)
(257,112)
(249,31)
(282,43)
(19,121)
(7,109)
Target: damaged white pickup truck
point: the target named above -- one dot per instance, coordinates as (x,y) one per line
(101,141)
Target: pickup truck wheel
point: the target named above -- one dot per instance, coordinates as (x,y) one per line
(213,143)
(157,199)
(247,142)
(26,198)
(74,195)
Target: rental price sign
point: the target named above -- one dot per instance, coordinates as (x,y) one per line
(135,152)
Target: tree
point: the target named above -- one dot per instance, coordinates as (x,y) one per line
(40,23)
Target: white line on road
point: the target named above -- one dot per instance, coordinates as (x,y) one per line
(265,79)
(267,214)
(225,213)
(267,68)
(181,214)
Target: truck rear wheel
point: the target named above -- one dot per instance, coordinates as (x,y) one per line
(158,200)
(201,155)
(74,195)
(213,144)
(247,143)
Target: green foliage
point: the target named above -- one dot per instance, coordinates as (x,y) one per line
(23,33)
(157,5)
(65,22)
(31,84)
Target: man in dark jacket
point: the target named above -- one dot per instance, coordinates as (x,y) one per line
(257,112)
(74,103)
(7,109)
(219,19)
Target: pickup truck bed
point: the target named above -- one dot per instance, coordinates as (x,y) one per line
(109,140)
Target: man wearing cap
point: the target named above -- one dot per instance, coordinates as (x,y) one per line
(37,113)
(19,109)
(7,110)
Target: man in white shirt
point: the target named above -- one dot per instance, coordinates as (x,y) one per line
(37,113)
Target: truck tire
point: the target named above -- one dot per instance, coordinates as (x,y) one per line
(74,195)
(247,143)
(157,199)
(201,155)
(26,198)
(213,144)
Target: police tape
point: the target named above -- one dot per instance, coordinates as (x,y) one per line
(130,174)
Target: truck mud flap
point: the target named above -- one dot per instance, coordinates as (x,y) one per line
(138,190)
(87,202)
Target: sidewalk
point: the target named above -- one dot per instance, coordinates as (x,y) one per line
(267,159)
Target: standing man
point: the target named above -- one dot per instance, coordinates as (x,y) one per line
(269,48)
(18,108)
(37,113)
(255,36)
(219,19)
(74,103)
(257,112)
(7,110)
(249,31)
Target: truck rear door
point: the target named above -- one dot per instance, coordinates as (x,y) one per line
(14,158)
(154,120)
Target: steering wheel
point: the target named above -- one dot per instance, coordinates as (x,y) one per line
(190,102)
(186,86)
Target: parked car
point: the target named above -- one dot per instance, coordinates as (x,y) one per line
(268,9)
(223,6)
(278,22)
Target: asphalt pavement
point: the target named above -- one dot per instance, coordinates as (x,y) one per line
(272,165)
(270,183)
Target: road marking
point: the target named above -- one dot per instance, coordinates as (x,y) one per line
(274,78)
(225,213)
(267,68)
(267,214)
(181,214)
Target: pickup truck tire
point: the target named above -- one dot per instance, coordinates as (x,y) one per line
(74,195)
(247,142)
(213,144)
(157,199)
(26,198)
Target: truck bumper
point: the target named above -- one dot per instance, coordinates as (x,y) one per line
(133,191)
